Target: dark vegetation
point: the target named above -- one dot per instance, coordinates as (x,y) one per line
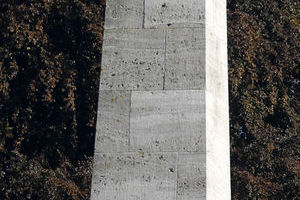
(50,52)
(264,98)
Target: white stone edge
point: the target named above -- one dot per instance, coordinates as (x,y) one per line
(218,185)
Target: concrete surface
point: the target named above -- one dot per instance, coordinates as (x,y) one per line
(135,176)
(113,121)
(167,120)
(163,118)
(133,60)
(217,103)
(188,72)
(174,13)
(124,14)
(191,177)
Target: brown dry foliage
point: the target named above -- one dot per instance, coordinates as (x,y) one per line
(264,98)
(50,54)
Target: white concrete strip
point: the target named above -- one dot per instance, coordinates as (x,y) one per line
(217,103)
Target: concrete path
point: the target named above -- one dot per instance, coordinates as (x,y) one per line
(162,131)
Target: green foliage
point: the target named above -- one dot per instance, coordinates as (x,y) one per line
(50,54)
(264,98)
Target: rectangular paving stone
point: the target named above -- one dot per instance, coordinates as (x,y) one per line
(124,14)
(113,121)
(168,120)
(174,13)
(135,39)
(133,60)
(134,176)
(185,59)
(191,177)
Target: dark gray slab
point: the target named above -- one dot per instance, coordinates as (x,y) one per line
(134,176)
(174,13)
(191,176)
(185,59)
(113,121)
(124,14)
(133,60)
(167,121)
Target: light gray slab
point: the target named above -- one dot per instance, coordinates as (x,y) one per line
(185,59)
(191,176)
(174,13)
(133,60)
(135,39)
(124,14)
(113,121)
(167,120)
(134,176)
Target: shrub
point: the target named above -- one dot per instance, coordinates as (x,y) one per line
(263,41)
(50,54)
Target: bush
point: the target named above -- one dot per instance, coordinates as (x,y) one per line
(50,54)
(264,98)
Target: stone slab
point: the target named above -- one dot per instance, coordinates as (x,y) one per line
(133,60)
(185,59)
(217,103)
(134,176)
(113,121)
(168,121)
(174,13)
(124,14)
(140,39)
(191,176)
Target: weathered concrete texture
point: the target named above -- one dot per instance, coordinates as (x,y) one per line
(163,118)
(191,176)
(133,60)
(167,121)
(124,14)
(174,13)
(113,122)
(134,176)
(185,59)
(139,39)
